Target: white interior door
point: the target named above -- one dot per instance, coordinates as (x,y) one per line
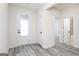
(67,31)
(57,31)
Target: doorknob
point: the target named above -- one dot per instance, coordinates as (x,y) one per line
(40,32)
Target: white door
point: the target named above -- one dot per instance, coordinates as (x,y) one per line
(57,26)
(22,29)
(67,31)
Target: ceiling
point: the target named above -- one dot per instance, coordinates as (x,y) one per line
(38,6)
(63,6)
(32,6)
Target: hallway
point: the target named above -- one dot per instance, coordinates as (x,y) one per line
(37,50)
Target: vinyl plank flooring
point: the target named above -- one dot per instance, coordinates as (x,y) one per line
(43,51)
(57,51)
(37,50)
(50,52)
(69,47)
(64,52)
(69,50)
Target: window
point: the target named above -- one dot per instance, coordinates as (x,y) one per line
(24,27)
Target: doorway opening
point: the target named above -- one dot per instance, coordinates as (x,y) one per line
(68,31)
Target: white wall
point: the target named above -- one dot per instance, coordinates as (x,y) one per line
(73,12)
(3,28)
(46,25)
(47,22)
(15,39)
(41,21)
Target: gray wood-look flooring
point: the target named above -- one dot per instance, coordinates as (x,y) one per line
(37,50)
